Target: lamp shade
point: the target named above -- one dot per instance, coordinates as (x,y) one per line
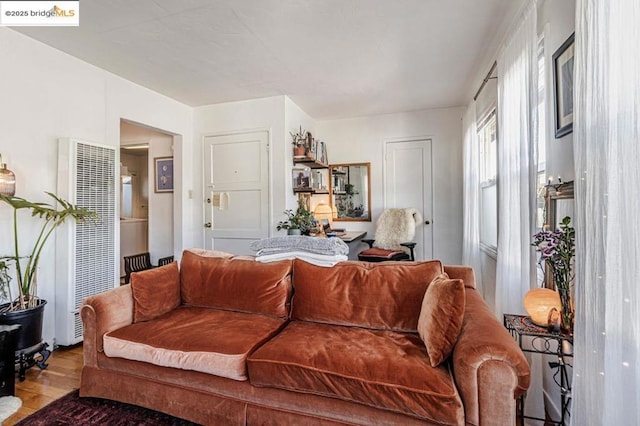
(7,180)
(538,302)
(323,211)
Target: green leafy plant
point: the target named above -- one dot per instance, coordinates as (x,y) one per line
(53,217)
(301,219)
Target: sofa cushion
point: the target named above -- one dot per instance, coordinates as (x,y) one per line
(383,369)
(441,317)
(155,292)
(384,296)
(207,340)
(219,280)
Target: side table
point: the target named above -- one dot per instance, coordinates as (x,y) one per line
(8,336)
(540,341)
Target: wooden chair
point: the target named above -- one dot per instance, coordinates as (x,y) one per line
(375,254)
(165,260)
(136,263)
(393,228)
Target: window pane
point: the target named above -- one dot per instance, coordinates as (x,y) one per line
(487,138)
(489,216)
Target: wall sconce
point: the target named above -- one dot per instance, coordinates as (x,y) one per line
(7,180)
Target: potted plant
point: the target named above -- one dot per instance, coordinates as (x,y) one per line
(27,308)
(299,143)
(299,222)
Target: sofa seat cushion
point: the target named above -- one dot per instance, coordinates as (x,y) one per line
(200,339)
(384,369)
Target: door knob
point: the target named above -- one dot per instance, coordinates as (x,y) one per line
(426,222)
(207,225)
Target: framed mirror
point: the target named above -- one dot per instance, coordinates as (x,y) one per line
(350,189)
(559,203)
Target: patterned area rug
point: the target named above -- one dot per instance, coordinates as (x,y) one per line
(73,410)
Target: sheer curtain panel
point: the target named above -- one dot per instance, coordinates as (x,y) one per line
(517,124)
(471,178)
(606,382)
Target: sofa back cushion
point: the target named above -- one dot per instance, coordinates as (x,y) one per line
(383,296)
(441,317)
(221,280)
(155,292)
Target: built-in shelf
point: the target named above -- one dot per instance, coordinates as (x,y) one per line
(312,164)
(311,191)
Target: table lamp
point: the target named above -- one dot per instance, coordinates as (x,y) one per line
(538,302)
(323,211)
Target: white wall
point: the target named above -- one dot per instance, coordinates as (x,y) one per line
(160,203)
(557,20)
(362,139)
(46,95)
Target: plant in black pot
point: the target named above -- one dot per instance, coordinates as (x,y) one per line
(299,222)
(26,308)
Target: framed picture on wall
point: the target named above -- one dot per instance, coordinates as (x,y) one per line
(163,174)
(563,87)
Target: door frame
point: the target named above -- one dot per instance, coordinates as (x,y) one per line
(178,185)
(426,215)
(203,136)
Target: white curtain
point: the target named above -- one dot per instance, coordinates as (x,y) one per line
(471,211)
(517,128)
(606,382)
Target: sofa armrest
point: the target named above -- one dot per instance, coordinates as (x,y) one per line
(101,314)
(489,368)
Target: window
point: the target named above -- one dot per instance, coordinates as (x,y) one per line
(488,140)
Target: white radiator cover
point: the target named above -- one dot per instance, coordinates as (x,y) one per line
(85,252)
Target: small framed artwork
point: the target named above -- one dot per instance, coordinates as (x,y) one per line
(563,87)
(301,180)
(164,174)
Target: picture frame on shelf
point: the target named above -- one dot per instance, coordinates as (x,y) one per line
(301,179)
(163,174)
(563,66)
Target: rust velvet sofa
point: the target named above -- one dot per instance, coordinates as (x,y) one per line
(231,341)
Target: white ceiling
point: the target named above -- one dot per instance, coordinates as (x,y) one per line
(334,58)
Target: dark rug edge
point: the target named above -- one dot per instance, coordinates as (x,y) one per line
(71,409)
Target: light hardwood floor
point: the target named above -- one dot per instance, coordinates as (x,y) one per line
(44,386)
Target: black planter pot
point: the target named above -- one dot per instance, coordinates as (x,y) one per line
(30,321)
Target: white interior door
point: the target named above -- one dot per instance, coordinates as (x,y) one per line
(407,183)
(236,182)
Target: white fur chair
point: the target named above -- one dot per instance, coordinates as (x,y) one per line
(395,229)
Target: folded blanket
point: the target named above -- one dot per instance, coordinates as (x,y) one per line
(313,258)
(327,246)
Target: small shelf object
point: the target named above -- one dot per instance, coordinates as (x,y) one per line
(535,339)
